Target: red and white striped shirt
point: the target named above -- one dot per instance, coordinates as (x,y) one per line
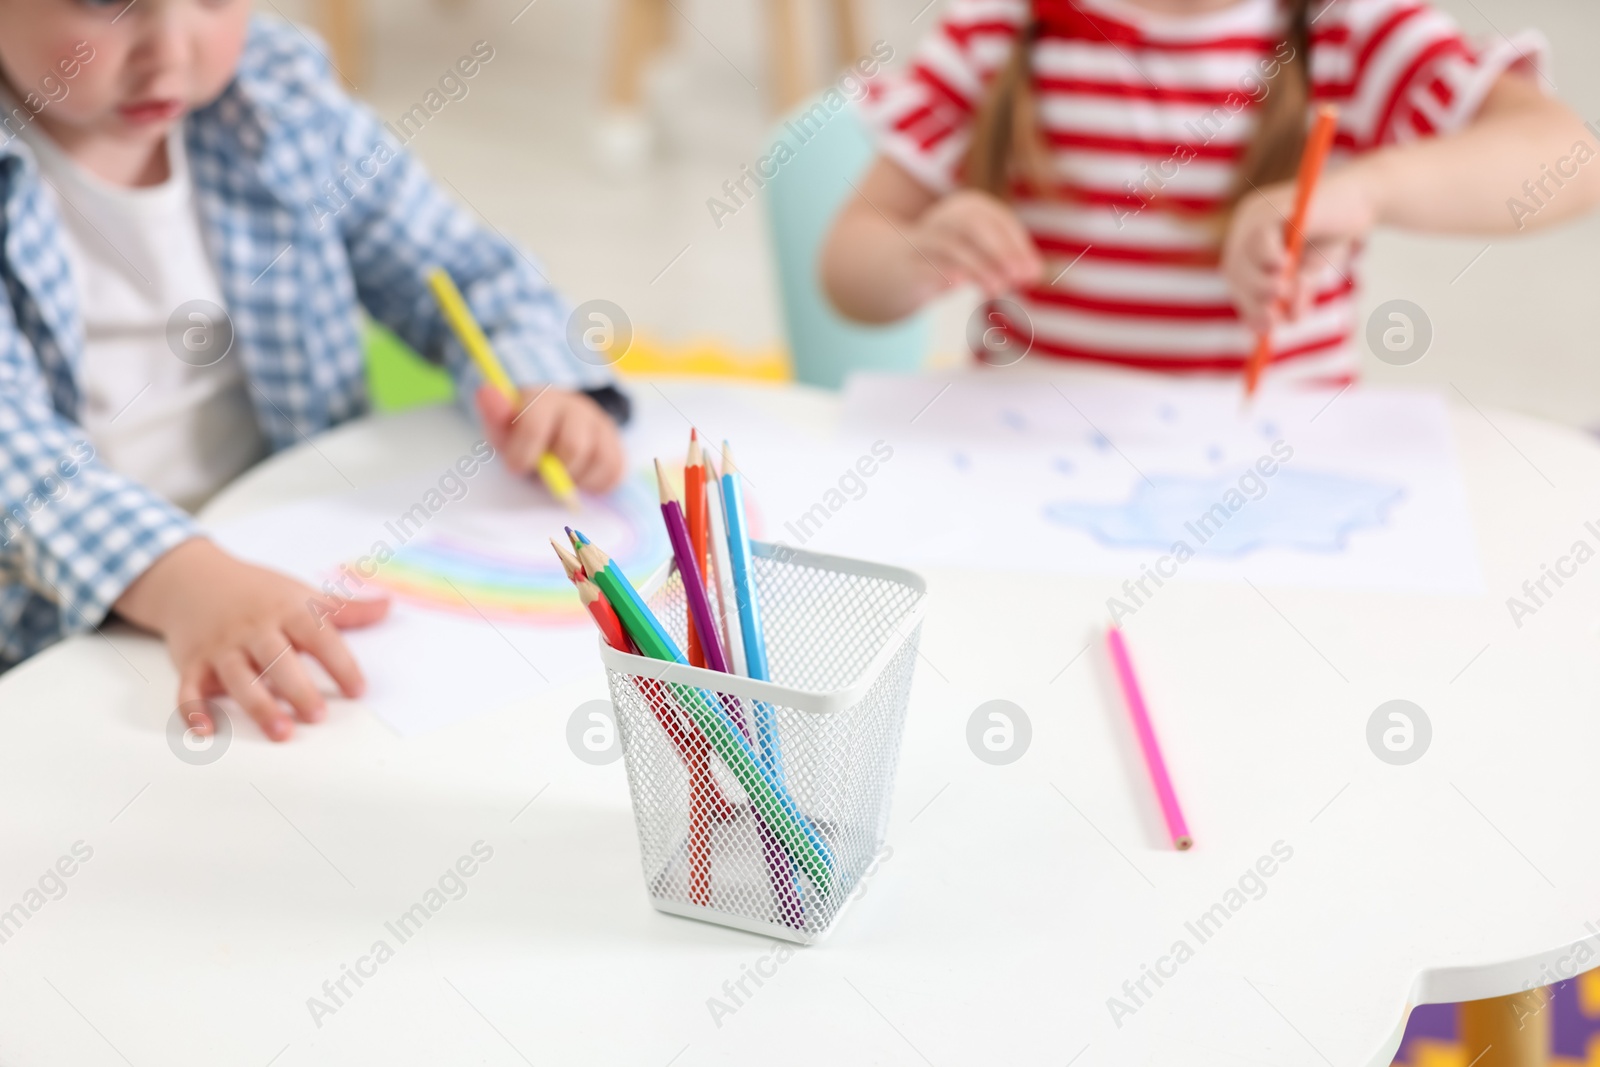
(1147,117)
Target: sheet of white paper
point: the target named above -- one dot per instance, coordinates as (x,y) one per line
(1110,478)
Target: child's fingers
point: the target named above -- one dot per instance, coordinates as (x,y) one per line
(988,241)
(1256,303)
(531,431)
(324,644)
(354,613)
(604,470)
(191,699)
(1305,292)
(970,266)
(1267,252)
(239,678)
(1021,254)
(982,238)
(286,676)
(496,412)
(611,464)
(945,273)
(1319,264)
(574,442)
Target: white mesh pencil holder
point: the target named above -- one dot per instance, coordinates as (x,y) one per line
(760,804)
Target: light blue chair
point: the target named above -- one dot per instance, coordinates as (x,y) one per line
(802,200)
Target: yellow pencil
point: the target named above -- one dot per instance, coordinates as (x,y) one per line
(459,316)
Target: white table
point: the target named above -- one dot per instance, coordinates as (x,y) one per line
(1017,898)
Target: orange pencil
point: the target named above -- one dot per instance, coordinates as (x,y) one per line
(700,780)
(1312,161)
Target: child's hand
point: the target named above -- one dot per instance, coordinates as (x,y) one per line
(569,424)
(969,236)
(1254,255)
(236,629)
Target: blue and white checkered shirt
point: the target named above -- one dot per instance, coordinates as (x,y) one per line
(311,211)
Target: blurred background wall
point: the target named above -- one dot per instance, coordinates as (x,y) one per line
(1515,320)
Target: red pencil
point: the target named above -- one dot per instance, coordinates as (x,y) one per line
(1312,160)
(595,602)
(706,800)
(694,510)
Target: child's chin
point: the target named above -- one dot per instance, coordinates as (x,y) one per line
(137,132)
(151,116)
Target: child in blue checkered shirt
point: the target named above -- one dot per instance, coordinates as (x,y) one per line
(194,215)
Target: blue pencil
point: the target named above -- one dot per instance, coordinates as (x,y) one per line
(744,587)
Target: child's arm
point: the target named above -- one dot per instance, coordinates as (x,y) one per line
(1519,135)
(1461,183)
(897,245)
(400,225)
(78,540)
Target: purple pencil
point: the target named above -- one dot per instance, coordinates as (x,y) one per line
(778,865)
(694,586)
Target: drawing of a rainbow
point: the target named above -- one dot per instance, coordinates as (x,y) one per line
(448,570)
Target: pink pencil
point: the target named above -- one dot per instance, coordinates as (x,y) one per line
(1147,741)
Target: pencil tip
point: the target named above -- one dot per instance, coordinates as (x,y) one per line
(661,481)
(728,466)
(569,562)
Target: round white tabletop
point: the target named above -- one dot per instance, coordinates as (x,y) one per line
(1030,913)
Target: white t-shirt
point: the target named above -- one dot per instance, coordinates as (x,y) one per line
(183,426)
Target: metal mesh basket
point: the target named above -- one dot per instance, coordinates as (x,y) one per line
(760,804)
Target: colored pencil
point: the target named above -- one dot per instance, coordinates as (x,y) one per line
(1177,828)
(591,597)
(700,779)
(754,639)
(1312,160)
(722,576)
(694,515)
(456,312)
(783,828)
(694,587)
(755,645)
(628,591)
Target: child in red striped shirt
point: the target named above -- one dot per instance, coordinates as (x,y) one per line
(1123,169)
